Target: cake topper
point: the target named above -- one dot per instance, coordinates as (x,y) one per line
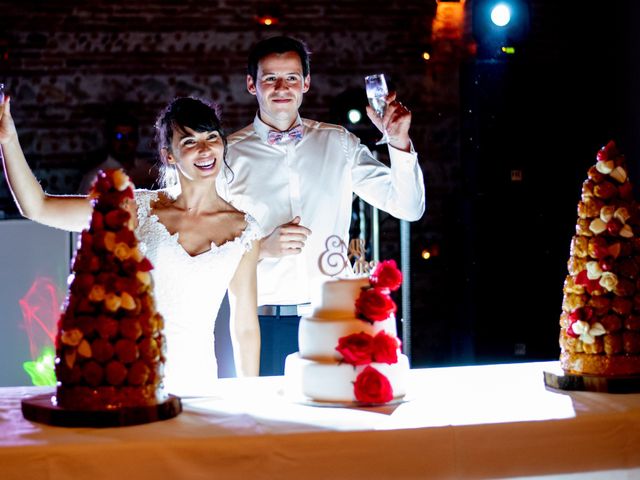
(336,259)
(356,250)
(333,260)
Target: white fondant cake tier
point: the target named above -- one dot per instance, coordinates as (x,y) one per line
(332,381)
(337,298)
(318,337)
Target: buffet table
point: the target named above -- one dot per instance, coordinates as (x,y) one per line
(496,421)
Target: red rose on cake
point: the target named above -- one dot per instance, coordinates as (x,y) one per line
(374,305)
(372,387)
(385,348)
(386,275)
(356,349)
(362,348)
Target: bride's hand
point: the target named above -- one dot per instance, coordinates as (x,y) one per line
(287,239)
(8,130)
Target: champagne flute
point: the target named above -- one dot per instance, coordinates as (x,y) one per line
(377,91)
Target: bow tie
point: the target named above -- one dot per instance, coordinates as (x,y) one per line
(280,138)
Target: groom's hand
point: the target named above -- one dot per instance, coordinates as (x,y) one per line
(396,121)
(287,239)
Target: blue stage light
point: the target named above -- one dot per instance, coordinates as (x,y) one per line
(499,26)
(501,14)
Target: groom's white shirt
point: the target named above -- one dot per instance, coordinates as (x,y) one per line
(314,179)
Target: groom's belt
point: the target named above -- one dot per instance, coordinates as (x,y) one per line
(284,310)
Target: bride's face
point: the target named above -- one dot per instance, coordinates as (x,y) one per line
(196,154)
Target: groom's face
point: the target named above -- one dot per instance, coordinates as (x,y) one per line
(279,87)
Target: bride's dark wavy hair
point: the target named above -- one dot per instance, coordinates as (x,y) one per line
(194,113)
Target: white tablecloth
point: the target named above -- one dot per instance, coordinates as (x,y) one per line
(497,421)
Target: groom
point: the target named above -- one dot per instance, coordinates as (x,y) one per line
(297,178)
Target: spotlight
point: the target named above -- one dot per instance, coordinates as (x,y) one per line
(501,14)
(268,14)
(354,115)
(430,251)
(267,20)
(499,27)
(425,50)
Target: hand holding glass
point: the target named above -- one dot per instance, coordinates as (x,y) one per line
(377,92)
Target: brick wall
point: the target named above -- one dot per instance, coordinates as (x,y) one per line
(64,62)
(68,60)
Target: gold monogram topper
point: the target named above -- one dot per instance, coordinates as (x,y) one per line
(336,259)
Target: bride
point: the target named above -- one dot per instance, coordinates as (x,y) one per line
(198,243)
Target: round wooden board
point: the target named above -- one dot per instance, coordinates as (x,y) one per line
(41,409)
(592,383)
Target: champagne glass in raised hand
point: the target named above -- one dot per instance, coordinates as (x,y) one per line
(377,92)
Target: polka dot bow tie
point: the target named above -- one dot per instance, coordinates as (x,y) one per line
(279,138)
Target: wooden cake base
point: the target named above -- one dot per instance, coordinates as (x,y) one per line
(41,409)
(592,383)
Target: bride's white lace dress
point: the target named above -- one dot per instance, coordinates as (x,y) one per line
(188,291)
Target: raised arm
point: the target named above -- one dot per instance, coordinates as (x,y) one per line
(243,303)
(66,212)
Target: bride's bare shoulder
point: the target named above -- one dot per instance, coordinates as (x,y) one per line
(162,200)
(237,217)
(232,212)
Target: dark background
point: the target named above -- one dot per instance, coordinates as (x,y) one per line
(492,290)
(545,114)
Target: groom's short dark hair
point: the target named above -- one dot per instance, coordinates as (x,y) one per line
(279,44)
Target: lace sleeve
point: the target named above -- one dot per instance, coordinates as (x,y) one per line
(251,233)
(143,203)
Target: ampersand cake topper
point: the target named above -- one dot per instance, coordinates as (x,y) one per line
(336,259)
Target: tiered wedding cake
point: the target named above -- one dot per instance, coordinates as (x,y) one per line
(109,344)
(600,320)
(349,351)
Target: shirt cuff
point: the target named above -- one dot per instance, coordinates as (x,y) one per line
(403,158)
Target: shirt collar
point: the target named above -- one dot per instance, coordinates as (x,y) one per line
(262,129)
